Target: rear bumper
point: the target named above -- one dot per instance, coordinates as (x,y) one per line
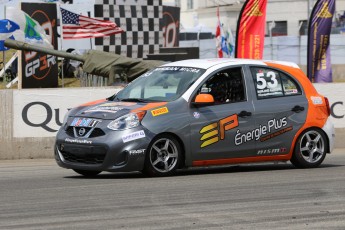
(330,131)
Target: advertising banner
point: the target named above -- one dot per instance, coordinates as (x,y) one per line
(40,70)
(170,25)
(40,113)
(250,35)
(319,67)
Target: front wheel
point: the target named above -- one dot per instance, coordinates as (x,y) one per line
(163,156)
(310,149)
(87,173)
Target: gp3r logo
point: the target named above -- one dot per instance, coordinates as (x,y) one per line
(214,132)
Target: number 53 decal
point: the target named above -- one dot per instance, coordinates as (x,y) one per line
(262,82)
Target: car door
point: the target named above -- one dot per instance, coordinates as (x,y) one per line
(280,109)
(214,127)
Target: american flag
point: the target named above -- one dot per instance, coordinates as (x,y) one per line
(75,26)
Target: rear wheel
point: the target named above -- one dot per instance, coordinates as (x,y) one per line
(87,173)
(310,149)
(163,156)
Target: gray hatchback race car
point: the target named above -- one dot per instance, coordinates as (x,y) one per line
(200,113)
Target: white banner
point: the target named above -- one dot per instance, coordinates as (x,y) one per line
(336,95)
(40,112)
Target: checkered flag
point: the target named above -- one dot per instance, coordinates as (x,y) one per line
(140,21)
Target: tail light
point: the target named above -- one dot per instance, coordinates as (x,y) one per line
(328,107)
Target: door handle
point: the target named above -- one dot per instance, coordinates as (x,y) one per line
(244,114)
(297,109)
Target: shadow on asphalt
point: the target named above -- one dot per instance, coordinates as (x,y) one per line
(205,170)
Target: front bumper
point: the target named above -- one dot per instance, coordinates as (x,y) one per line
(105,153)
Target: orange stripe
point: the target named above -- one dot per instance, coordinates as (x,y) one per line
(149,106)
(93,102)
(241,160)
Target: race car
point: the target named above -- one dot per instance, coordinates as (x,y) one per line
(196,113)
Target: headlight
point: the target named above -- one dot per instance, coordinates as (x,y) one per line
(127,121)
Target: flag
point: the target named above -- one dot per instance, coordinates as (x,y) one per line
(319,68)
(76,26)
(230,42)
(221,40)
(7,27)
(250,34)
(30,31)
(219,37)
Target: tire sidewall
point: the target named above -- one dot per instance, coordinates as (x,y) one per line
(148,167)
(297,158)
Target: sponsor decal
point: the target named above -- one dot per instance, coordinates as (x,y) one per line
(133,136)
(77,141)
(275,134)
(271,151)
(104,108)
(196,115)
(267,84)
(118,104)
(214,132)
(159,111)
(172,68)
(316,100)
(137,152)
(267,129)
(290,91)
(84,122)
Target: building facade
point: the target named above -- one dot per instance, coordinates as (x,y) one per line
(290,17)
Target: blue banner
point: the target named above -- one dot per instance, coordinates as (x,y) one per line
(319,68)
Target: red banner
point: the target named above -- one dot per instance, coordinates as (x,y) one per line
(251,30)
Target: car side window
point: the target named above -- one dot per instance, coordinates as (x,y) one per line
(226,86)
(270,83)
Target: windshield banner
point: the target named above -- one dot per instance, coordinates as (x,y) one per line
(251,30)
(319,58)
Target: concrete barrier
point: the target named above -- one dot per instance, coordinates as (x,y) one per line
(30,118)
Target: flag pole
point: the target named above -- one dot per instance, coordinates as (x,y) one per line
(61,47)
(89,15)
(3,53)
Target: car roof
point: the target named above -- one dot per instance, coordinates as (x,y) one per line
(208,63)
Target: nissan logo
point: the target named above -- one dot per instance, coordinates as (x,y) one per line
(81,132)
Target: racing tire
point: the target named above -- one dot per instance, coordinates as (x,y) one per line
(310,149)
(163,156)
(87,173)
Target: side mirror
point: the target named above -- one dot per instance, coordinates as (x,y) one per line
(203,99)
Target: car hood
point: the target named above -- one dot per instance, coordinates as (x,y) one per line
(109,110)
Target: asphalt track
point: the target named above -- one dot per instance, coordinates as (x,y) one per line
(37,194)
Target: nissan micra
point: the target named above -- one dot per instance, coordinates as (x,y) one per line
(197,113)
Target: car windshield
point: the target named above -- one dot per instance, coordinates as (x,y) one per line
(160,84)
